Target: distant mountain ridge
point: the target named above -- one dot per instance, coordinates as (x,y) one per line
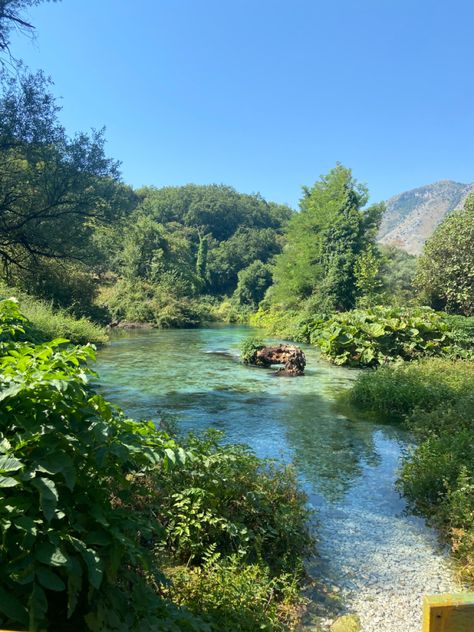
(412,216)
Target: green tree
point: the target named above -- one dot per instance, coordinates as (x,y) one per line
(323,242)
(367,276)
(397,273)
(201,261)
(54,190)
(245,246)
(445,271)
(253,283)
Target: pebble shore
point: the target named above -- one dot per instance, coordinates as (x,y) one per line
(380,560)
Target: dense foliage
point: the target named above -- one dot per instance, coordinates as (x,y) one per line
(324,243)
(249,348)
(381,334)
(183,244)
(435,398)
(93,506)
(445,274)
(66,460)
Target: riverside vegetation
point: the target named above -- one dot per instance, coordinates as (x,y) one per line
(131,527)
(111,524)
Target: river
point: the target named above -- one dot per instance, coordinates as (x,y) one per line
(378,559)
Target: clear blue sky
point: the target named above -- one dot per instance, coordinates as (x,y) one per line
(266,95)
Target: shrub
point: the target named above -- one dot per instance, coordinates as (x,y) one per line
(69,545)
(137,300)
(399,390)
(284,323)
(228,498)
(381,334)
(233,595)
(437,480)
(45,322)
(249,348)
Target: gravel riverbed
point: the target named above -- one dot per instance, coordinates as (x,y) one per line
(380,560)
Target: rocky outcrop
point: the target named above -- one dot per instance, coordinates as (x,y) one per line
(291,358)
(412,216)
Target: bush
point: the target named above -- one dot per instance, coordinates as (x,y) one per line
(399,390)
(232,595)
(437,480)
(69,543)
(141,301)
(228,311)
(228,498)
(283,323)
(381,334)
(249,348)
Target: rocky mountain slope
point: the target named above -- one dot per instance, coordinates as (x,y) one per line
(411,217)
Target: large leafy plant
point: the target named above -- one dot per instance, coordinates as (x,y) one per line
(70,549)
(369,337)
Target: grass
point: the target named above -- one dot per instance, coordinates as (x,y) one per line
(395,391)
(47,323)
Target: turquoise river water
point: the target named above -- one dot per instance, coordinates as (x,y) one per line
(379,559)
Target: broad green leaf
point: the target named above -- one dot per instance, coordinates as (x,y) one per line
(50,555)
(48,495)
(9,464)
(49,580)
(7,481)
(12,607)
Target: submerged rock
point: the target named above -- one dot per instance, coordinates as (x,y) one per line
(347,623)
(292,358)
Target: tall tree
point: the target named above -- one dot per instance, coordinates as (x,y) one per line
(445,270)
(324,241)
(54,189)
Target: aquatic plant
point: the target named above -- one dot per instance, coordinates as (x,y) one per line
(249,348)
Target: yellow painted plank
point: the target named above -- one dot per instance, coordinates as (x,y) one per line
(449,613)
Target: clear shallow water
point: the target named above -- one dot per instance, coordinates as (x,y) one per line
(368,547)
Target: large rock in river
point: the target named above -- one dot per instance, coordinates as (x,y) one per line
(291,358)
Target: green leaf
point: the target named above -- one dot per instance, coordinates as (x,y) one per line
(50,555)
(170,454)
(74,584)
(49,580)
(12,607)
(48,495)
(9,464)
(92,560)
(38,605)
(7,481)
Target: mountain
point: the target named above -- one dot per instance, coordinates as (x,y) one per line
(411,217)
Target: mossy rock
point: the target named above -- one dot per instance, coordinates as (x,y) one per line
(347,623)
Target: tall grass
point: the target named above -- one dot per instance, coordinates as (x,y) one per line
(46,322)
(397,390)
